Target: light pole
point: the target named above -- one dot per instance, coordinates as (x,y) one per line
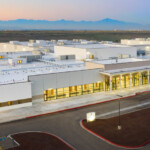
(119,122)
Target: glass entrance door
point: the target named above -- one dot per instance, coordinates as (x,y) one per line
(126,81)
(135,79)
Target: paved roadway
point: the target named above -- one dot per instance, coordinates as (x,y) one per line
(67,124)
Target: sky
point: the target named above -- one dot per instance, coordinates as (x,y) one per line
(137,11)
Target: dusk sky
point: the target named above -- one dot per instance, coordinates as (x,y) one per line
(137,11)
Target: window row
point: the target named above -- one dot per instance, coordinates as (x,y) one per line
(52,94)
(136,80)
(9,103)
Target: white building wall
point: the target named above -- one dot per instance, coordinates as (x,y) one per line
(135,42)
(7,47)
(100,53)
(106,53)
(64,79)
(12,92)
(80,53)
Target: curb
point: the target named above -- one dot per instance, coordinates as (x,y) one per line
(108,141)
(142,92)
(10,136)
(80,106)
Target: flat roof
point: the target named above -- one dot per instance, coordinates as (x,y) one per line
(96,46)
(20,73)
(116,61)
(125,70)
(127,65)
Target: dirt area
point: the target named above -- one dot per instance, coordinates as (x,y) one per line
(38,141)
(135,128)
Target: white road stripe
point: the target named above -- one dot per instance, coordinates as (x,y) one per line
(123,109)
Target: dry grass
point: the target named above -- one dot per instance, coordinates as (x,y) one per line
(115,36)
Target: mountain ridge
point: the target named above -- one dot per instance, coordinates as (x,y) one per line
(104,24)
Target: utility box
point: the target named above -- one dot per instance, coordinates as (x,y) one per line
(31,58)
(17,61)
(121,56)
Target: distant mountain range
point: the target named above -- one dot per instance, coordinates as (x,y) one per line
(105,24)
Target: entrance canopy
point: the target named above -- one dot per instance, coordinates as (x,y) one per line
(125,70)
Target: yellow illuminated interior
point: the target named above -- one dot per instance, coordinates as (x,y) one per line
(1,57)
(135,79)
(115,82)
(126,81)
(77,90)
(144,78)
(19,61)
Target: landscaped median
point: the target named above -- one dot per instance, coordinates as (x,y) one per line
(39,141)
(135,131)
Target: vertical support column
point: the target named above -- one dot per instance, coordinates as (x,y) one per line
(56,93)
(147,77)
(130,80)
(139,78)
(93,87)
(69,91)
(120,81)
(104,84)
(110,83)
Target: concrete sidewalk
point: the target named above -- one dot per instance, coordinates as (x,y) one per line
(39,107)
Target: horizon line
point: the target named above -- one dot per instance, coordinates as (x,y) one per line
(69,20)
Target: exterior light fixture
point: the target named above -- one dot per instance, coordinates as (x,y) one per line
(119,122)
(91,116)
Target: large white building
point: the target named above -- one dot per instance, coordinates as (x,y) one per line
(96,51)
(24,77)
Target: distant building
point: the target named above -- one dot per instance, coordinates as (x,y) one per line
(97,51)
(142,45)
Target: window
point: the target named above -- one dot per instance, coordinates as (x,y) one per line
(66,91)
(19,61)
(67,57)
(1,57)
(71,91)
(135,79)
(144,78)
(116,83)
(107,84)
(50,94)
(126,81)
(60,93)
(90,88)
(91,56)
(10,103)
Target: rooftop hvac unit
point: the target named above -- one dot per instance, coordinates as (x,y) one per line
(36,52)
(121,56)
(66,57)
(31,41)
(60,43)
(53,41)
